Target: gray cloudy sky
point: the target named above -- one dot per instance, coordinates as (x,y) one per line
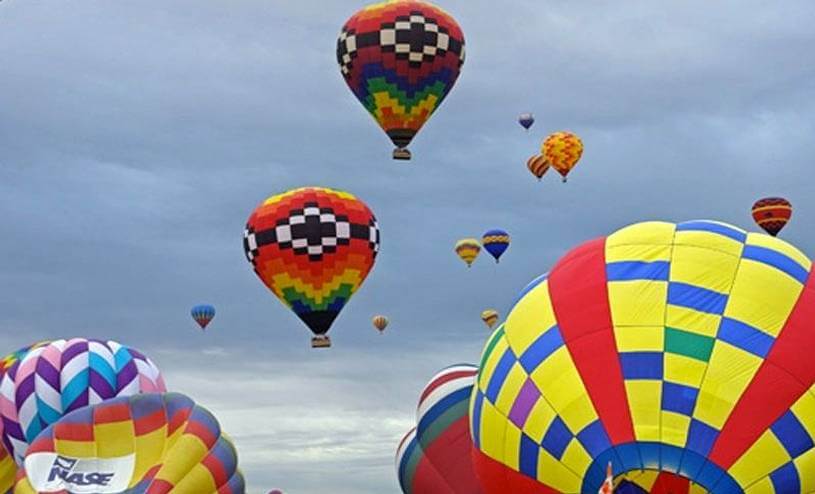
(137,136)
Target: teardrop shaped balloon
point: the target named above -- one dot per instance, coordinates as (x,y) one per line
(400,59)
(468,249)
(680,348)
(772,214)
(157,442)
(380,322)
(496,242)
(66,375)
(537,165)
(562,150)
(312,247)
(526,120)
(490,317)
(203,314)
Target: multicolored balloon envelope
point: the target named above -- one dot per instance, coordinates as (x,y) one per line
(490,317)
(495,242)
(400,58)
(468,249)
(435,458)
(682,348)
(562,150)
(772,214)
(203,314)
(380,322)
(313,248)
(149,443)
(66,375)
(537,165)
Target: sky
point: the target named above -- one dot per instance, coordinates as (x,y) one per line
(136,137)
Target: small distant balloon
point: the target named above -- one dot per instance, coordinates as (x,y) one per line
(537,165)
(526,120)
(380,322)
(468,249)
(203,314)
(772,214)
(562,150)
(495,242)
(490,317)
(275,491)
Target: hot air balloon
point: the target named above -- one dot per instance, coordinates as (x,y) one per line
(65,375)
(380,322)
(682,348)
(490,317)
(526,120)
(562,150)
(537,165)
(400,59)
(313,248)
(772,214)
(203,314)
(157,442)
(275,491)
(495,242)
(468,249)
(435,457)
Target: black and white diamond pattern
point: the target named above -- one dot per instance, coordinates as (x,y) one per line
(346,50)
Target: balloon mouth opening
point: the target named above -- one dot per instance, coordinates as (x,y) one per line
(322,341)
(402,154)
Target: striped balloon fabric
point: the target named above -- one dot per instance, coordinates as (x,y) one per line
(66,375)
(156,443)
(537,165)
(772,214)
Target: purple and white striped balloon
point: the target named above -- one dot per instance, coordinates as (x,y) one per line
(63,376)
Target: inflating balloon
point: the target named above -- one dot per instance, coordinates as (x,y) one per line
(313,248)
(495,242)
(772,214)
(562,150)
(400,59)
(203,314)
(468,249)
(526,120)
(682,348)
(380,323)
(490,317)
(537,165)
(66,375)
(435,458)
(150,443)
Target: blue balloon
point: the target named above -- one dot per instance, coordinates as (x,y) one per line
(526,120)
(203,314)
(495,242)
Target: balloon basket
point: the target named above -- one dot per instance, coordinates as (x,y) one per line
(401,154)
(320,342)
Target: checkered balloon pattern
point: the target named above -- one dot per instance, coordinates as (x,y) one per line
(147,443)
(401,58)
(682,348)
(65,375)
(562,150)
(312,247)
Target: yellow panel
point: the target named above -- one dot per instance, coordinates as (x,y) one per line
(763,486)
(645,479)
(113,439)
(804,409)
(77,449)
(644,399)
(729,372)
(709,240)
(198,479)
(707,268)
(675,428)
(680,369)
(151,450)
(692,321)
(648,232)
(697,489)
(640,338)
(760,460)
(638,252)
(539,420)
(489,365)
(637,303)
(492,427)
(806,467)
(781,246)
(576,457)
(531,315)
(512,446)
(556,474)
(176,466)
(762,297)
(509,391)
(562,386)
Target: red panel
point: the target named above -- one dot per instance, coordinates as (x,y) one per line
(427,480)
(577,286)
(668,483)
(499,479)
(451,453)
(445,379)
(783,377)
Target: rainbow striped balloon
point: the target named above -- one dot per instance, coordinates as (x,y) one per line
(682,348)
(66,375)
(155,442)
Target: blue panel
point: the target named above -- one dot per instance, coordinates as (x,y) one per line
(777,260)
(528,461)
(746,337)
(709,226)
(442,406)
(727,485)
(678,398)
(670,458)
(786,479)
(557,438)
(696,298)
(642,365)
(541,349)
(637,270)
(692,464)
(499,375)
(596,474)
(792,435)
(650,455)
(701,437)
(476,419)
(710,476)
(593,437)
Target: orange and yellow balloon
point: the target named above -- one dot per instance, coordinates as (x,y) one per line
(537,165)
(380,322)
(490,317)
(562,151)
(468,249)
